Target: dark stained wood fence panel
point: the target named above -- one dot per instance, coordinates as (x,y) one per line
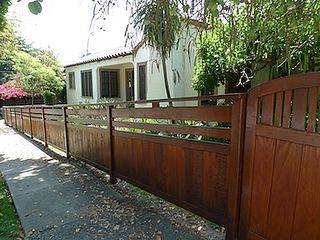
(280,197)
(175,155)
(37,128)
(212,113)
(307,212)
(299,108)
(26,125)
(176,173)
(260,197)
(55,134)
(89,145)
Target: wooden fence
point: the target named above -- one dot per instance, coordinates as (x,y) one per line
(250,163)
(189,155)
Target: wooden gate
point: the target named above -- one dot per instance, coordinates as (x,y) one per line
(281,193)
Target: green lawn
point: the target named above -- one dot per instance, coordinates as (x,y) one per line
(9,225)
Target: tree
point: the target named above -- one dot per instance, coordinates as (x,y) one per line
(10,90)
(4,5)
(8,44)
(36,71)
(159,22)
(283,38)
(33,76)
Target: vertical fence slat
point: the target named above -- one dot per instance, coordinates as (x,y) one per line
(21,115)
(44,128)
(15,118)
(299,108)
(30,122)
(113,179)
(11,122)
(66,139)
(267,109)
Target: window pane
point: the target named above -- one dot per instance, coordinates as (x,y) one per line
(82,84)
(109,83)
(90,84)
(86,83)
(114,84)
(142,81)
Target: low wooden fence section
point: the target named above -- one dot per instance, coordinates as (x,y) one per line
(189,155)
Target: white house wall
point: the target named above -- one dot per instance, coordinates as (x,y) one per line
(74,95)
(181,62)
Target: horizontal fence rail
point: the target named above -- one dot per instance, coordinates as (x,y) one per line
(177,149)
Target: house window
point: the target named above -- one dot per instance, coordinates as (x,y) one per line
(86,83)
(72,83)
(109,80)
(142,81)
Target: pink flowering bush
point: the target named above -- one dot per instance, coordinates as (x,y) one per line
(10,90)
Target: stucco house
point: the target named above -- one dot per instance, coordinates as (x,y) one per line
(132,74)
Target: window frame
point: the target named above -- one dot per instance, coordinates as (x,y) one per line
(109,87)
(144,97)
(72,84)
(88,91)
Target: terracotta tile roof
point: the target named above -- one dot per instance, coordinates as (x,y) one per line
(101,56)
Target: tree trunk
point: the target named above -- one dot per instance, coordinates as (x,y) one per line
(32,99)
(165,77)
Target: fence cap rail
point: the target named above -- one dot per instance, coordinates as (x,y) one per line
(232,96)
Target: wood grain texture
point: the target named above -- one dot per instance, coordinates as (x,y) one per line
(299,108)
(307,211)
(210,113)
(267,109)
(90,146)
(280,196)
(186,176)
(285,180)
(262,183)
(203,131)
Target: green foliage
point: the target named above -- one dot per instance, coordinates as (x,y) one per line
(284,37)
(49,97)
(35,7)
(159,22)
(33,76)
(9,225)
(33,70)
(8,44)
(4,5)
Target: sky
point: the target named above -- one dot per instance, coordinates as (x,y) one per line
(63,27)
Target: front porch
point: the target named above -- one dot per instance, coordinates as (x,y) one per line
(115,82)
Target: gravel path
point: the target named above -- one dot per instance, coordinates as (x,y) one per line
(60,199)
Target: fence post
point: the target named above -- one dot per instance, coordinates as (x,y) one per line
(10,111)
(155,104)
(44,128)
(15,118)
(113,179)
(66,140)
(30,123)
(6,115)
(22,130)
(234,174)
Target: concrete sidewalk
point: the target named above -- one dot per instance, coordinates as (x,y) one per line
(59,200)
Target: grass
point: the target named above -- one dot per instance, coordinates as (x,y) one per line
(9,224)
